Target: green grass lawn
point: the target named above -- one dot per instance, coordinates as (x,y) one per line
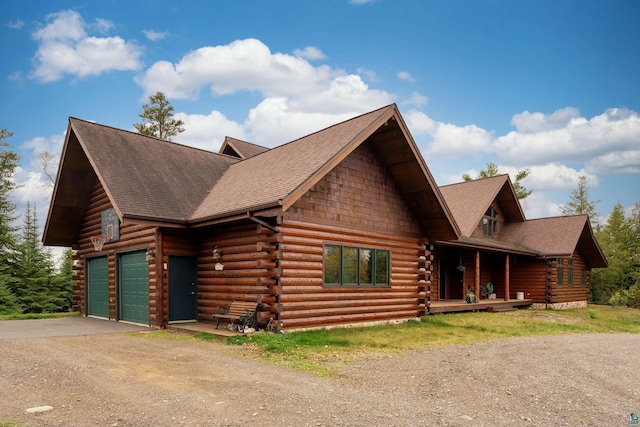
(322,351)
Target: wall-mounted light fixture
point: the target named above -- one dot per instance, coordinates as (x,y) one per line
(151,254)
(217,254)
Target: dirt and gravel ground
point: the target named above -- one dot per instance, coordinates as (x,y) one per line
(123,380)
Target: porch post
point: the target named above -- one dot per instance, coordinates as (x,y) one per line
(506,278)
(477,277)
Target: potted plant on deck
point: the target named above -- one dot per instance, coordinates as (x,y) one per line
(492,294)
(470,296)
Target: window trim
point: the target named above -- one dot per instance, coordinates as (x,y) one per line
(358,271)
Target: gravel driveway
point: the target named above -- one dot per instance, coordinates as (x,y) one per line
(120,380)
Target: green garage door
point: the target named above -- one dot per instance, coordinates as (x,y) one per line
(97,284)
(134,288)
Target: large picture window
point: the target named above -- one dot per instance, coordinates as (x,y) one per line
(351,266)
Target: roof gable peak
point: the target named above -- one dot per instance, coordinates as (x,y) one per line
(469,200)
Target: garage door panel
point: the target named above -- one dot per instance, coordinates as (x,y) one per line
(134,288)
(98,287)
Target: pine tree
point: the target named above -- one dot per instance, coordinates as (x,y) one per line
(579,203)
(522,192)
(34,270)
(8,301)
(8,165)
(62,283)
(157,118)
(614,239)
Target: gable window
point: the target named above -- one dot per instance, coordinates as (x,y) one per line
(352,266)
(489,222)
(560,272)
(570,272)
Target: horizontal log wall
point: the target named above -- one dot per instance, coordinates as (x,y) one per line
(356,204)
(566,292)
(528,275)
(305,301)
(250,269)
(132,237)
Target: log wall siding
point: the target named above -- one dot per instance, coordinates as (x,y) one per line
(358,193)
(305,301)
(566,292)
(132,237)
(528,275)
(250,256)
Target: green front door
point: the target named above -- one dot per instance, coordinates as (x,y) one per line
(97,287)
(134,288)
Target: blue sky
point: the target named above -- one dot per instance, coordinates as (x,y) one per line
(545,85)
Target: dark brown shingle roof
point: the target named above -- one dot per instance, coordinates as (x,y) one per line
(150,179)
(557,237)
(147,177)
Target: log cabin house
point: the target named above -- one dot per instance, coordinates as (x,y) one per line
(343,226)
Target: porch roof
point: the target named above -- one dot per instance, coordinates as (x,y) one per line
(488,244)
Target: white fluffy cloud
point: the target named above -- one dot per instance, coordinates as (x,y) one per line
(298,98)
(554,176)
(527,122)
(310,52)
(273,122)
(207,132)
(567,137)
(448,140)
(66,48)
(154,36)
(416,100)
(244,65)
(403,75)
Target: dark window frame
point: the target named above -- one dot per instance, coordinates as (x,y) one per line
(351,270)
(489,222)
(570,271)
(560,272)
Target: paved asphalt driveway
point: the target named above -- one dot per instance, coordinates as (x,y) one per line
(63,327)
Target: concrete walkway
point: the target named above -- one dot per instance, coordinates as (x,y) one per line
(63,327)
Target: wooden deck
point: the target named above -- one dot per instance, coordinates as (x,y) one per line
(450,306)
